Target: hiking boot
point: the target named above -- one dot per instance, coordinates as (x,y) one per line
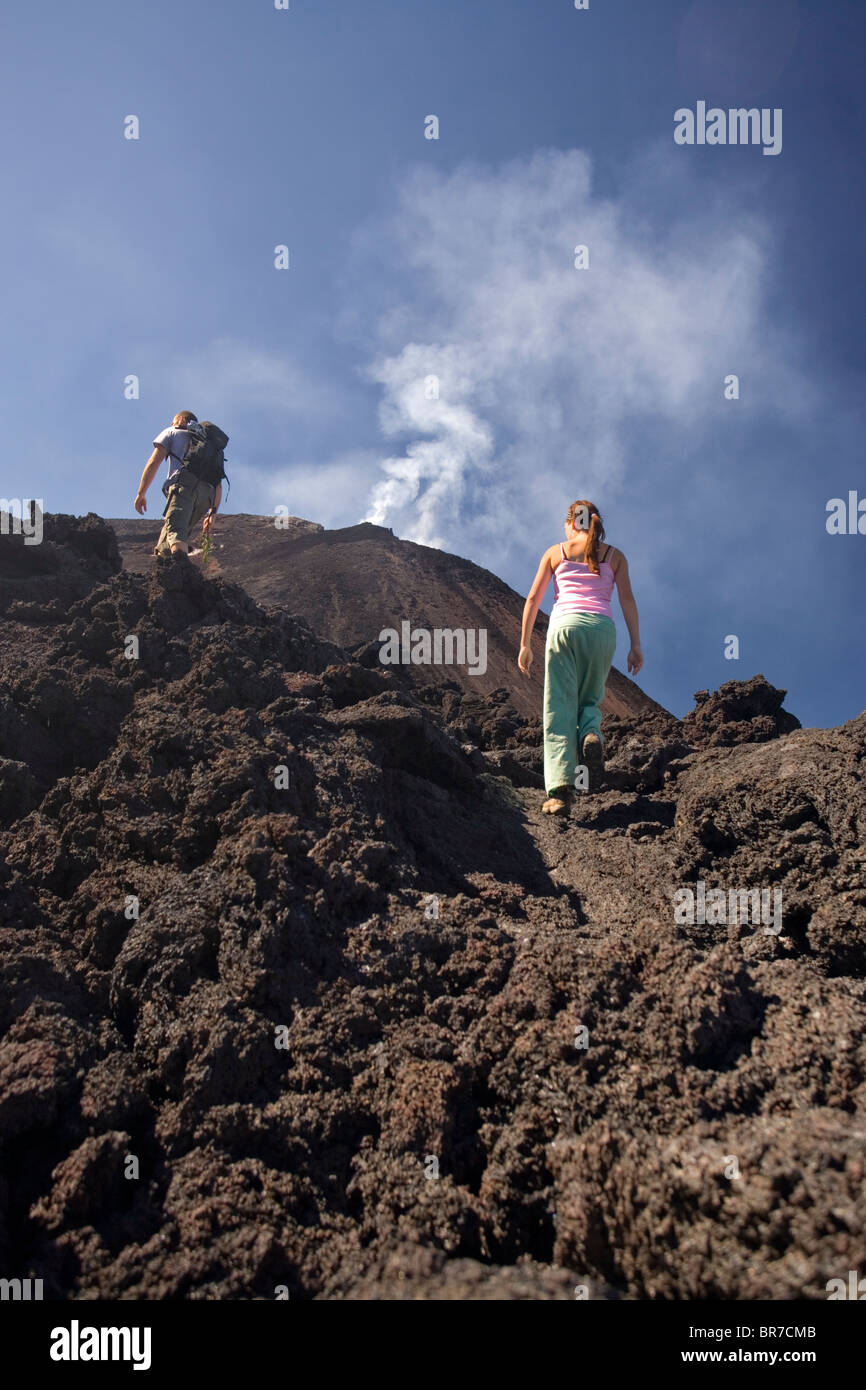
(593,761)
(559,802)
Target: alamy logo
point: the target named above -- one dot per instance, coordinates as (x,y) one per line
(444,646)
(738,125)
(739,905)
(22,516)
(20,1290)
(847,520)
(856,1287)
(77,1343)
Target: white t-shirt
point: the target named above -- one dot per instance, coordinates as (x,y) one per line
(176,442)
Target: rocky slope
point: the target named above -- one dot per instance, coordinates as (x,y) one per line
(301,995)
(351,583)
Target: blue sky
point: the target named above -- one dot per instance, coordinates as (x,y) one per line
(454,258)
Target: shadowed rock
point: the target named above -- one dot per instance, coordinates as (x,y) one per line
(291,933)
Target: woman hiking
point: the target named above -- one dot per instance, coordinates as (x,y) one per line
(581,638)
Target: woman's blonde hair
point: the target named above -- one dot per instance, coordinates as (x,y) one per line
(585,516)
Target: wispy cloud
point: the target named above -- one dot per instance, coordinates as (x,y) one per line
(548,375)
(276,409)
(244,378)
(317,490)
(430,480)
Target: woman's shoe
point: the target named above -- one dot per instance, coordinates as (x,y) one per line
(559,802)
(593,761)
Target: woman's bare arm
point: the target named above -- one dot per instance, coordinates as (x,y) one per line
(530,610)
(629,611)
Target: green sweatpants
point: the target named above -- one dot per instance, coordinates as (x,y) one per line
(577,660)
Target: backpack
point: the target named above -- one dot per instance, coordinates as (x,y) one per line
(204,455)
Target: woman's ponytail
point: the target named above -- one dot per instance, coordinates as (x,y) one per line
(596,533)
(578,513)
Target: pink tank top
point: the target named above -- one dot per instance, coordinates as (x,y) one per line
(577,590)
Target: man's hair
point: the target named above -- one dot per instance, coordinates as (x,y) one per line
(185,416)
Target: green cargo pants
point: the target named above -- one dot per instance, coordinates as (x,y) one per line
(577,658)
(188,503)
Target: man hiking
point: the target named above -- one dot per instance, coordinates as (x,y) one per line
(193,486)
(581,638)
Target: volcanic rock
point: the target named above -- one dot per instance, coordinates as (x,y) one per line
(352,583)
(301,992)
